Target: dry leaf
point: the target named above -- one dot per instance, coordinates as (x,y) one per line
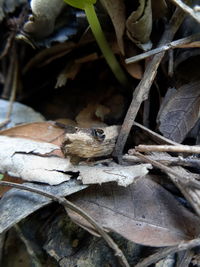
(144,213)
(17,204)
(123,175)
(92,116)
(68,73)
(38,131)
(135,70)
(139,25)
(33,161)
(36,161)
(180,112)
(116,11)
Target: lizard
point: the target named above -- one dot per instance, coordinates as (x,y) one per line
(42,21)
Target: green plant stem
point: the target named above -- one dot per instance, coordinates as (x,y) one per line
(103,44)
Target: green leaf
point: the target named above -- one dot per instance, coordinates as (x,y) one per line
(1,176)
(80,3)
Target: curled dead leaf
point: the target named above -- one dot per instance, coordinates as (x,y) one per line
(143,212)
(180,112)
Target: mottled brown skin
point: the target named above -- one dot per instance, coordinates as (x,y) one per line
(90,143)
(42,21)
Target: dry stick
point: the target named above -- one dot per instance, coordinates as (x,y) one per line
(165,159)
(142,90)
(166,251)
(9,77)
(174,44)
(185,259)
(171,64)
(67,204)
(8,45)
(167,148)
(187,9)
(14,90)
(13,94)
(187,181)
(190,193)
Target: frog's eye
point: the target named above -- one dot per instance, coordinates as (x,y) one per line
(98,134)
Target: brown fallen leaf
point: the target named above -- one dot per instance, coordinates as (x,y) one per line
(38,131)
(180,112)
(144,213)
(92,116)
(116,11)
(139,25)
(135,70)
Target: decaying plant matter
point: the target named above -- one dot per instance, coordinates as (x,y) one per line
(112,159)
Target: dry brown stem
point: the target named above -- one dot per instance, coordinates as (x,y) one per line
(166,251)
(167,148)
(187,9)
(181,43)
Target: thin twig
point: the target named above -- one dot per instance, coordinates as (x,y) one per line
(187,9)
(8,45)
(9,76)
(157,137)
(67,204)
(190,193)
(171,45)
(13,92)
(167,148)
(165,159)
(166,251)
(187,181)
(142,90)
(184,258)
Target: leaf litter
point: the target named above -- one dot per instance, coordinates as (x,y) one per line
(77,150)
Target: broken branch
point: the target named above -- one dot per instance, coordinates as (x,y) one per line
(181,43)
(187,9)
(168,148)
